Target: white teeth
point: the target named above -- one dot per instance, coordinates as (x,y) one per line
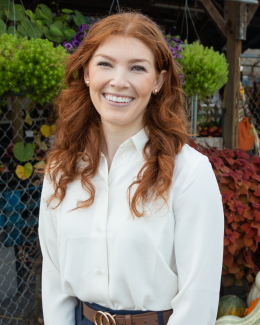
(118,99)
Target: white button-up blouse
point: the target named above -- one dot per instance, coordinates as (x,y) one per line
(170,258)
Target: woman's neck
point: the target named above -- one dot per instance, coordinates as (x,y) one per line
(115,135)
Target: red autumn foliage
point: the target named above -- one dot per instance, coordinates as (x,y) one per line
(239,183)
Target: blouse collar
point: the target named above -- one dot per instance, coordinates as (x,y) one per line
(139,140)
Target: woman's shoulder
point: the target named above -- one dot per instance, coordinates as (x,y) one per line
(188,157)
(188,161)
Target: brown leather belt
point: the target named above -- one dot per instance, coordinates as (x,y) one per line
(149,318)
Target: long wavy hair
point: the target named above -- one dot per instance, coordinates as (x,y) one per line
(79,131)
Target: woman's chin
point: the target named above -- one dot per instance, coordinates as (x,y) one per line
(116,121)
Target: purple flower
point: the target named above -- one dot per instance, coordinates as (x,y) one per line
(78,36)
(82,27)
(75,43)
(67,46)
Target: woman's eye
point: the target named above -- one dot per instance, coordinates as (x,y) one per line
(105,64)
(138,68)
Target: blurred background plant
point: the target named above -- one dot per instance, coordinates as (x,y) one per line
(43,23)
(205,70)
(32,67)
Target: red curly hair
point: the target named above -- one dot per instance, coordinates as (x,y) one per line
(79,129)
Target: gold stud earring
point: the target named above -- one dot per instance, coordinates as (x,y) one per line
(156,91)
(87,83)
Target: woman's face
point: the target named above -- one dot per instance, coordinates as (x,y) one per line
(122,77)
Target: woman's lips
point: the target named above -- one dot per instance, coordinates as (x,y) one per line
(110,102)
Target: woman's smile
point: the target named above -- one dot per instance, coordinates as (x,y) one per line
(117,100)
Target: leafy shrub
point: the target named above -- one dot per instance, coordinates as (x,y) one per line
(205,70)
(32,66)
(239,183)
(40,24)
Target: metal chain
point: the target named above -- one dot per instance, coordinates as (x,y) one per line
(111,7)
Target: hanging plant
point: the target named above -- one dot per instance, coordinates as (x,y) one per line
(174,44)
(72,46)
(205,70)
(42,23)
(31,67)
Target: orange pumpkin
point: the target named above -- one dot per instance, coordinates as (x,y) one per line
(251,307)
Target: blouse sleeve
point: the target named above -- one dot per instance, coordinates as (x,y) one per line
(199,236)
(58,307)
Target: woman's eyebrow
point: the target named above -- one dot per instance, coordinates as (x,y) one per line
(130,61)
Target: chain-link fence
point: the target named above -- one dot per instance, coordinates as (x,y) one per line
(25,132)
(250,63)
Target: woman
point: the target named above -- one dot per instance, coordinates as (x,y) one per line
(131,219)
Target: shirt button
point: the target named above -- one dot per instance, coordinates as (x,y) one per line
(124,155)
(99,229)
(99,272)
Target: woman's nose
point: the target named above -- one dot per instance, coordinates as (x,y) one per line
(119,79)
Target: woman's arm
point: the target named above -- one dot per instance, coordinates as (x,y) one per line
(58,307)
(199,237)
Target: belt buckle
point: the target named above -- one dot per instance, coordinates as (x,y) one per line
(107,317)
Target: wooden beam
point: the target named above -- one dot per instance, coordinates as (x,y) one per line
(251,12)
(242,21)
(215,16)
(232,86)
(16,103)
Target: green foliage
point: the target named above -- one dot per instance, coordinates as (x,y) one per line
(205,70)
(34,66)
(41,23)
(15,12)
(23,153)
(79,18)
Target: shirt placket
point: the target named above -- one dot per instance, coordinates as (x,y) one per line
(99,228)
(99,242)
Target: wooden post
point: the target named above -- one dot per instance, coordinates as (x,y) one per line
(16,114)
(232,86)
(16,104)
